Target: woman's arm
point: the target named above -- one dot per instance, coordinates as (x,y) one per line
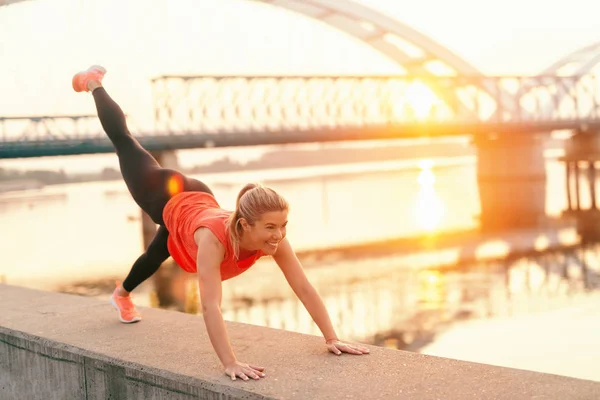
(289,264)
(209,258)
(287,260)
(208,263)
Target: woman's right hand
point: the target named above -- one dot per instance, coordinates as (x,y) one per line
(244,371)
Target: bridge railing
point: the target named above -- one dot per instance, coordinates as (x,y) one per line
(49,128)
(35,136)
(279,103)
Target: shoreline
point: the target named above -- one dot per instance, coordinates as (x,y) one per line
(286,158)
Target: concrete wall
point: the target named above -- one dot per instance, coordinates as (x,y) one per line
(57,346)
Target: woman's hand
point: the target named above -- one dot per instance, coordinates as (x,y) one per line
(244,371)
(337,347)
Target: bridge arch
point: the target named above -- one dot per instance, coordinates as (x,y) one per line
(579,62)
(577,68)
(415,52)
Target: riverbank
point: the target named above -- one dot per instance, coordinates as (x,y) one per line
(274,158)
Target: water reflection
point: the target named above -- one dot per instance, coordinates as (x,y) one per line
(429,208)
(328,210)
(407,307)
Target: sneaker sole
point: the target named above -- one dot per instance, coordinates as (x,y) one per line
(136,319)
(98,67)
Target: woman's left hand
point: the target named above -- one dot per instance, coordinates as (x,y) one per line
(337,347)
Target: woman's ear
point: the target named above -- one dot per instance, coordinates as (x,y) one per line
(244,224)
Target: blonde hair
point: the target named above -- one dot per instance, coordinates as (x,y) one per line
(252,202)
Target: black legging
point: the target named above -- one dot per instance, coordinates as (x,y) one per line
(147,182)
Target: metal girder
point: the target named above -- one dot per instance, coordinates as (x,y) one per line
(157,141)
(194,112)
(583,60)
(9,2)
(48,128)
(578,66)
(279,104)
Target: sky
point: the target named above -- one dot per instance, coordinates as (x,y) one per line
(44,42)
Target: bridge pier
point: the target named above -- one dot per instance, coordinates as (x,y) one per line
(582,160)
(511,178)
(162,280)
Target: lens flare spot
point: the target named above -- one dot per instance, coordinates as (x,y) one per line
(175,185)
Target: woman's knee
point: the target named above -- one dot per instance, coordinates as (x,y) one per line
(157,251)
(155,257)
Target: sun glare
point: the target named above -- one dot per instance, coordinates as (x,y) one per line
(420,99)
(414,101)
(429,209)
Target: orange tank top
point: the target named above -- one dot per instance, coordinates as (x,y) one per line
(183,215)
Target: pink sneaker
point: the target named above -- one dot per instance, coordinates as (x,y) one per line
(81,79)
(127,311)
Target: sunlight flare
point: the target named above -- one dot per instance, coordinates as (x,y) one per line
(429,209)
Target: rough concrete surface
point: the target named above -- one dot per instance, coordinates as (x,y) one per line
(58,346)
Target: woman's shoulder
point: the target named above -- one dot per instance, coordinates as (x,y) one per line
(211,227)
(209,243)
(210,249)
(206,236)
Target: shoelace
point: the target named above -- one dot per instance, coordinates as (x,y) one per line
(127,304)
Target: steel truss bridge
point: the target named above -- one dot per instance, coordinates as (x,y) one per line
(193,112)
(438,94)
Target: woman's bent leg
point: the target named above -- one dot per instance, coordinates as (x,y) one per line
(144,267)
(149,262)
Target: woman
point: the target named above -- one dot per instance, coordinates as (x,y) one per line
(200,236)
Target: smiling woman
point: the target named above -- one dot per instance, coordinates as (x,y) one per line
(202,237)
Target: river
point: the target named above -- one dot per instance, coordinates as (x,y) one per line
(79,238)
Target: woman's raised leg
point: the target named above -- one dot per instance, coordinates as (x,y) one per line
(150,185)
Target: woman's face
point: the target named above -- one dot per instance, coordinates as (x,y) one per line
(266,233)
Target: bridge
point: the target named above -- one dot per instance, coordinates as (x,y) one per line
(439,94)
(222,111)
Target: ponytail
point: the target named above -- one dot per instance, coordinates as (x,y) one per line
(235,229)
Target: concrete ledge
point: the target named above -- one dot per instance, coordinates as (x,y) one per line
(57,346)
